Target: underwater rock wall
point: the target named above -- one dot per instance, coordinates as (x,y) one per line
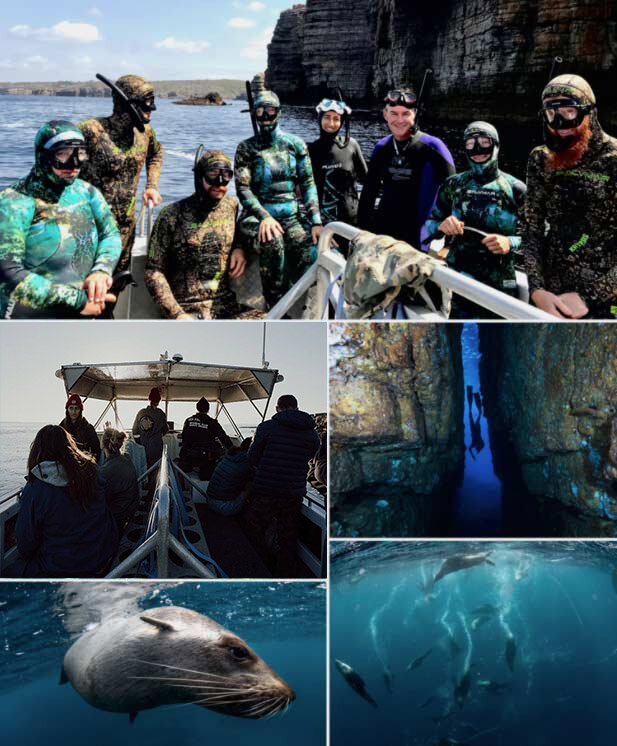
(551,401)
(396,406)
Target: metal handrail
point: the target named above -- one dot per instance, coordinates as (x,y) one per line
(330,265)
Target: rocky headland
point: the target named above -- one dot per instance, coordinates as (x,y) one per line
(489,57)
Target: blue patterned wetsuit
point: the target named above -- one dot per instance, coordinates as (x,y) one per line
(268,168)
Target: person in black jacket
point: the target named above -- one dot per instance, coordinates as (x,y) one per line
(64,527)
(77,425)
(199,441)
(119,478)
(281,451)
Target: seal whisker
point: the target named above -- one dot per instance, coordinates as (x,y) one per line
(190,670)
(217,700)
(259,709)
(185,680)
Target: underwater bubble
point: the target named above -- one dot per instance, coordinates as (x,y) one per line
(382,503)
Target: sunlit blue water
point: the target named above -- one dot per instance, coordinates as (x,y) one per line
(557,599)
(284,623)
(478,499)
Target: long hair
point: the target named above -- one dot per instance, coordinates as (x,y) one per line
(54,443)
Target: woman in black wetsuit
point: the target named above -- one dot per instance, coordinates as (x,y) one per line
(338,163)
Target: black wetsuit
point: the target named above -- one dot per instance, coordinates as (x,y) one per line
(410,179)
(199,447)
(337,170)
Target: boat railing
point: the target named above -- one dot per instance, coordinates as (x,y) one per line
(9,508)
(163,527)
(327,275)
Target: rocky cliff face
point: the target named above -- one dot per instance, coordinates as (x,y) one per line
(396,413)
(552,406)
(489,57)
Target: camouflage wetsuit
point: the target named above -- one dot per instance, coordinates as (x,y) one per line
(188,256)
(268,169)
(191,244)
(569,228)
(53,234)
(486,198)
(117,154)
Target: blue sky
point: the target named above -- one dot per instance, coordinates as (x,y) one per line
(32,351)
(161,40)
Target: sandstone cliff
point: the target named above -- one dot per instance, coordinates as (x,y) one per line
(491,57)
(396,413)
(551,400)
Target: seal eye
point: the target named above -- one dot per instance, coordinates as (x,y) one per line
(239,653)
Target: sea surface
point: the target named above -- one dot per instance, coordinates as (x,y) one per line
(283,622)
(556,600)
(182,128)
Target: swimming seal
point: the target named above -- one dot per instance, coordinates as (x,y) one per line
(170,655)
(355,681)
(462,562)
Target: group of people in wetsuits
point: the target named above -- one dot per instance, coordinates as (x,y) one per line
(81,493)
(65,242)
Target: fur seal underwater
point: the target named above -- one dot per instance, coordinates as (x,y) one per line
(355,681)
(171,655)
(462,562)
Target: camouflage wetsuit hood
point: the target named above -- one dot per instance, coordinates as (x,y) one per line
(53,234)
(570,217)
(117,154)
(486,198)
(189,251)
(268,169)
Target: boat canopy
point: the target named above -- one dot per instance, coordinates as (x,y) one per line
(176,380)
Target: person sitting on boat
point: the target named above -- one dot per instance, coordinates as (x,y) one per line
(64,527)
(230,481)
(119,478)
(119,145)
(338,164)
(82,432)
(149,427)
(59,242)
(269,168)
(193,250)
(281,451)
(409,166)
(571,189)
(478,211)
(199,441)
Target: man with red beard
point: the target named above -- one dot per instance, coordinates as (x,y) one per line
(570,221)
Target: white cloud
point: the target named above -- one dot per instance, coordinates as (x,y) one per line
(241,22)
(64,30)
(95,12)
(256,7)
(257,50)
(35,60)
(176,45)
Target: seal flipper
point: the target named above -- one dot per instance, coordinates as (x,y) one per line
(132,716)
(164,626)
(64,679)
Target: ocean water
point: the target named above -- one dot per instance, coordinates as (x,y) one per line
(182,128)
(478,510)
(283,622)
(558,602)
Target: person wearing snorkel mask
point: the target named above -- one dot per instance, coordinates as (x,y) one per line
(270,167)
(338,163)
(408,166)
(193,249)
(59,242)
(486,199)
(569,226)
(119,146)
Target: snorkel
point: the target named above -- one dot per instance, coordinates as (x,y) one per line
(121,98)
